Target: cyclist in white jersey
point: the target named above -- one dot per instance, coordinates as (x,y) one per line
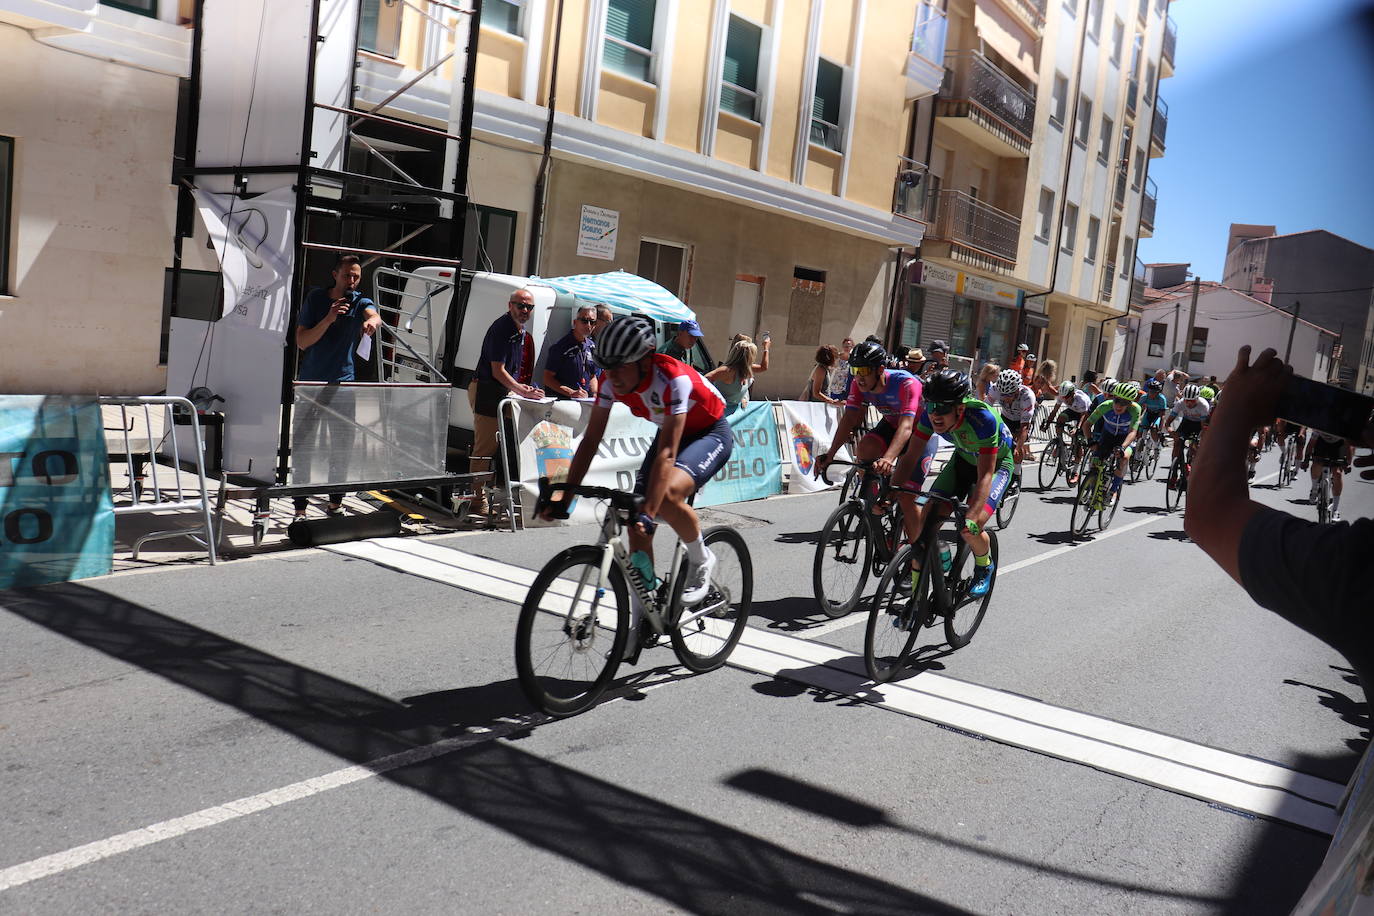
(1331,451)
(1074,402)
(1192,411)
(1018,407)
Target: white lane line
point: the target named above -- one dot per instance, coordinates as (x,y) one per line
(47,866)
(1244,783)
(826,629)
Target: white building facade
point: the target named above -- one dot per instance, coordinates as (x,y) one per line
(1225,321)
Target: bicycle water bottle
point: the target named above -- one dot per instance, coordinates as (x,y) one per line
(643,569)
(946,557)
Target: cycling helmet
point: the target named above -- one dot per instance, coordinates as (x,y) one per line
(626,340)
(1067,388)
(1008,382)
(868,353)
(948,386)
(1126,391)
(1154,384)
(1190,392)
(1208,392)
(1107,384)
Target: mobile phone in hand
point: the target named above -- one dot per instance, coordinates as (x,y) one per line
(1331,410)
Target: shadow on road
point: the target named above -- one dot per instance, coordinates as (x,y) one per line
(792,614)
(798,537)
(1175,535)
(1351,709)
(1147,510)
(691,862)
(1053,537)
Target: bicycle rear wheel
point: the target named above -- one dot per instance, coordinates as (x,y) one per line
(705,634)
(1154,458)
(1083,503)
(896,614)
(844,555)
(571,632)
(1007,507)
(967,611)
(1324,500)
(1050,468)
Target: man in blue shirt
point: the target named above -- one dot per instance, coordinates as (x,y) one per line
(330,324)
(569,371)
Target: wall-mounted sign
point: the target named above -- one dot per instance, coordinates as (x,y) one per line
(596,232)
(937,276)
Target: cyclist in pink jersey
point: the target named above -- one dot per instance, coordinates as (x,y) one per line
(693,440)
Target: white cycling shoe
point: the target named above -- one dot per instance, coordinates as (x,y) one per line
(699,580)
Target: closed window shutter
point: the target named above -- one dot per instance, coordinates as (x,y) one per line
(742,54)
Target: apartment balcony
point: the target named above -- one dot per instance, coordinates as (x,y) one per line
(1166,58)
(925,69)
(1158,127)
(1108,281)
(966,229)
(1030,12)
(910,192)
(1147,209)
(985,105)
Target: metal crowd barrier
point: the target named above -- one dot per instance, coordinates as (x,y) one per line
(148,428)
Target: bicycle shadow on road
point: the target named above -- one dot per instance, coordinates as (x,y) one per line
(799,537)
(792,614)
(1176,534)
(1056,537)
(692,862)
(1147,510)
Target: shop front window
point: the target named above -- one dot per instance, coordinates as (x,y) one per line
(961,333)
(915,314)
(995,341)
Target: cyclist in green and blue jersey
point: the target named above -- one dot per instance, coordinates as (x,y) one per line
(1120,419)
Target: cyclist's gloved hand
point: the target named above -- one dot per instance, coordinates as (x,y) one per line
(646,523)
(972,526)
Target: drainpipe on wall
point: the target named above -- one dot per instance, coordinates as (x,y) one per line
(1069,127)
(540,203)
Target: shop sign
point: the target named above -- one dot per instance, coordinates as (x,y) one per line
(596,232)
(935,276)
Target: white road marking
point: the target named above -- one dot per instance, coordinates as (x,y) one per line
(1244,783)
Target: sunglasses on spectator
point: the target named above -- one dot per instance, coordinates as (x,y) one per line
(587,320)
(524,306)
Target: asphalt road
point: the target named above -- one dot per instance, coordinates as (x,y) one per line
(314,732)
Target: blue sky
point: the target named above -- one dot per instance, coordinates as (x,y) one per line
(1271,121)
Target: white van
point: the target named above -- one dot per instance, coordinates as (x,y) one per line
(423,298)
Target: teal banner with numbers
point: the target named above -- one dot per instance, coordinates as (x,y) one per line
(754,469)
(56,515)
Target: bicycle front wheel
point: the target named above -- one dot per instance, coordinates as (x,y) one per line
(966,611)
(896,614)
(1154,459)
(571,632)
(705,634)
(1083,502)
(1049,465)
(1104,518)
(1173,486)
(844,555)
(1007,507)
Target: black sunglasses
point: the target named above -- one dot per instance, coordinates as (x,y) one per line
(941,409)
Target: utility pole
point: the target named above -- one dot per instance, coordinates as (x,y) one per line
(1192,317)
(1297,310)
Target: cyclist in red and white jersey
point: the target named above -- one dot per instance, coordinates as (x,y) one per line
(1017,402)
(693,440)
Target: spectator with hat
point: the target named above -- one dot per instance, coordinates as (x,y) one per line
(683,346)
(1018,361)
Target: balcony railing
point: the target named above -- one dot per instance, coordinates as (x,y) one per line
(1033,11)
(969,222)
(925,69)
(1170,40)
(1132,90)
(974,88)
(1119,198)
(1108,281)
(1160,125)
(1147,205)
(910,192)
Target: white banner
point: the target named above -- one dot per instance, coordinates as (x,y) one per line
(807,432)
(254,239)
(547,433)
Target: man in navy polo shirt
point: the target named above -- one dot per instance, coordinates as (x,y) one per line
(330,324)
(505,366)
(569,371)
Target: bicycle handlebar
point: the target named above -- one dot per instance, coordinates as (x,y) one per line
(561,509)
(821,471)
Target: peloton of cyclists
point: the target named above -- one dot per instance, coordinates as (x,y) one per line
(1119,416)
(979,471)
(1325,450)
(693,441)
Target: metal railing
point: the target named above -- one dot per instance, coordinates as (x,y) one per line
(1147,204)
(1160,125)
(970,222)
(148,428)
(979,90)
(1119,197)
(1108,281)
(1170,40)
(911,189)
(823,133)
(1033,11)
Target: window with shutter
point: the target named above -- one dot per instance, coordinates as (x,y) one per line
(630,38)
(740,80)
(825,106)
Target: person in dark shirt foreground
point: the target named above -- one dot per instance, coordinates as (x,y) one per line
(1318,577)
